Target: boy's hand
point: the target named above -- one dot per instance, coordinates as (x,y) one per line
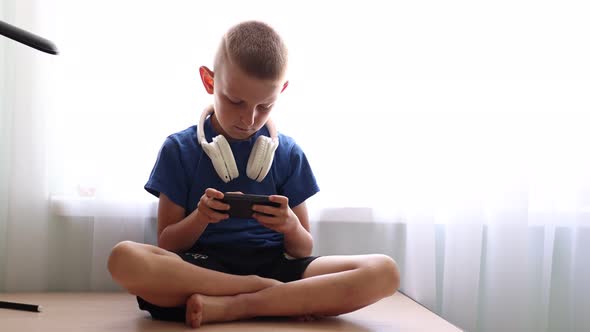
(210,201)
(282,219)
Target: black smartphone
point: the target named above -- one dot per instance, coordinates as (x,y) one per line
(240,205)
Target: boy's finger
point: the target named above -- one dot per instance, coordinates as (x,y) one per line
(265,220)
(283,200)
(220,216)
(216,216)
(265,209)
(216,204)
(213,193)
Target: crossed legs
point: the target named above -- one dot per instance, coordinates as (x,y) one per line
(331,285)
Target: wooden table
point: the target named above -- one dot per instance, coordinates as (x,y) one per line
(119,312)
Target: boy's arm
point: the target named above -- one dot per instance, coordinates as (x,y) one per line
(175,232)
(298,240)
(178,233)
(292,222)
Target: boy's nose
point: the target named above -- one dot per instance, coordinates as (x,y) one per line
(248,116)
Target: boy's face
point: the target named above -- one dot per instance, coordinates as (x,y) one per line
(242,103)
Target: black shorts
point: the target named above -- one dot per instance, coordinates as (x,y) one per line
(264,262)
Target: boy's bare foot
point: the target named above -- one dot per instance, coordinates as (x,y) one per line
(194,311)
(201,309)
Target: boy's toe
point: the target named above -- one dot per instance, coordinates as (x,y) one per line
(194,311)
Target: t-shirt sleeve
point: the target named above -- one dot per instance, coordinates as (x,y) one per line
(301,183)
(168,175)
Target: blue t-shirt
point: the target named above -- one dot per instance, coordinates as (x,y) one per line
(183,171)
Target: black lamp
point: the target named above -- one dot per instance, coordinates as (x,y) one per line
(27,38)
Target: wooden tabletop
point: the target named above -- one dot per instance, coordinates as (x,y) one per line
(119,312)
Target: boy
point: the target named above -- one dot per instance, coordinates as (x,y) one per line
(208,268)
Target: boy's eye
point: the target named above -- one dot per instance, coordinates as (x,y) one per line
(264,107)
(235,102)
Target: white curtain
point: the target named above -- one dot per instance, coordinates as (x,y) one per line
(449,135)
(25,218)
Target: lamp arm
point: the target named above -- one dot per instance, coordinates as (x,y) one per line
(27,38)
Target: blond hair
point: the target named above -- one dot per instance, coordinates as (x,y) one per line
(256,48)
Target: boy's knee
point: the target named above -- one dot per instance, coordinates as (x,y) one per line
(386,269)
(120,256)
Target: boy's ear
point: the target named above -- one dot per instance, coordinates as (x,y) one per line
(285,86)
(207,78)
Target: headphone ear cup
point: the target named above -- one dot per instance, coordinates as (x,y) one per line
(213,152)
(227,158)
(261,158)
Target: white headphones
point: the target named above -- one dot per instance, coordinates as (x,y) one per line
(221,156)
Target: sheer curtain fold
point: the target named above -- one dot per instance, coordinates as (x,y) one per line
(107,232)
(461,281)
(25,219)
